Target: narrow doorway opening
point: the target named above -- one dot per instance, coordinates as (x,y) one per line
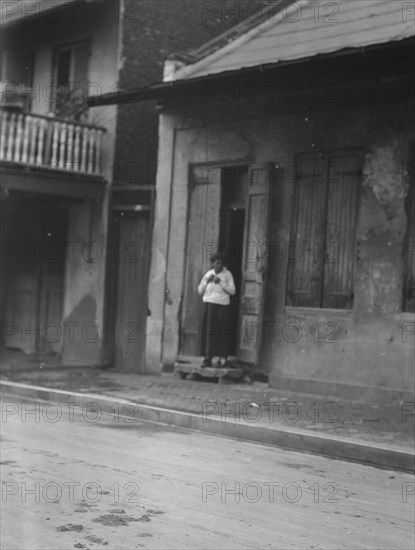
(34,275)
(234,185)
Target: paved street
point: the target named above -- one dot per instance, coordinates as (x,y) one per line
(86,479)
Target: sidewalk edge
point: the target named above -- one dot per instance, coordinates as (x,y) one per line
(293,440)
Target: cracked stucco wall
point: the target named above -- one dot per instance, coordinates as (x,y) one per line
(385,172)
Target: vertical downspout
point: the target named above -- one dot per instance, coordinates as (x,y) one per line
(107,352)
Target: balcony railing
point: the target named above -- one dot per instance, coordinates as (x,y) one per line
(49,142)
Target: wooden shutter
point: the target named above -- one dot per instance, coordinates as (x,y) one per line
(80,70)
(339,249)
(202,239)
(408,253)
(305,258)
(254,264)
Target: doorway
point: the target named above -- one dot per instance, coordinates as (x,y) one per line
(229,209)
(216,221)
(128,264)
(34,237)
(231,237)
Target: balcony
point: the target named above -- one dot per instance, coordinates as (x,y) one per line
(47,142)
(47,155)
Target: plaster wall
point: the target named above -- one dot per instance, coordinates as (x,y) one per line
(83,311)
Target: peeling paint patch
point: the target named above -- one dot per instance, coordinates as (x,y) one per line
(159,265)
(384,173)
(383,288)
(84,311)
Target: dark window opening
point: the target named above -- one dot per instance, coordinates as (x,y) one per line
(70,76)
(64,68)
(18,72)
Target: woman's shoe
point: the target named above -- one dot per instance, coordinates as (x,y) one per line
(206,363)
(222,362)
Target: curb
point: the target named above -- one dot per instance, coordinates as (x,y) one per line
(293,440)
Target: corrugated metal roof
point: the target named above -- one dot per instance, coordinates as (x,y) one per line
(308,28)
(22,10)
(261,15)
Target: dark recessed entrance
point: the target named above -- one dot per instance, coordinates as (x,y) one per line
(33,239)
(231,235)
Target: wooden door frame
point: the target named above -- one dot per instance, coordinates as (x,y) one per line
(220,164)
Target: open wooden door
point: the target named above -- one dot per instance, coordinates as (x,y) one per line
(254,262)
(202,240)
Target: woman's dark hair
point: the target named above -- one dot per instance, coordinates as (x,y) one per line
(218,256)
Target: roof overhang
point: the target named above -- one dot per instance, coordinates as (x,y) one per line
(165,90)
(303,29)
(22,11)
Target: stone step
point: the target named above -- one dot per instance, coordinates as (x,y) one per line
(192,366)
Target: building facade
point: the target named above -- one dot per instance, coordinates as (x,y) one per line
(291,149)
(77,184)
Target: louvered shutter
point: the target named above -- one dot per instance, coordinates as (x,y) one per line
(255,262)
(202,239)
(305,258)
(339,251)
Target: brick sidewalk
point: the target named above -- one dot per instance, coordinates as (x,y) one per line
(255,403)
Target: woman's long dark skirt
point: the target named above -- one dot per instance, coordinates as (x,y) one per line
(215,336)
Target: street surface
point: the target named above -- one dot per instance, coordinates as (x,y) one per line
(74,478)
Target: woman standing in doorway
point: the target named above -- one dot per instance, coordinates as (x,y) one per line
(216,287)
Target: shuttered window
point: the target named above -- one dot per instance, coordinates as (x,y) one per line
(322,244)
(408,252)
